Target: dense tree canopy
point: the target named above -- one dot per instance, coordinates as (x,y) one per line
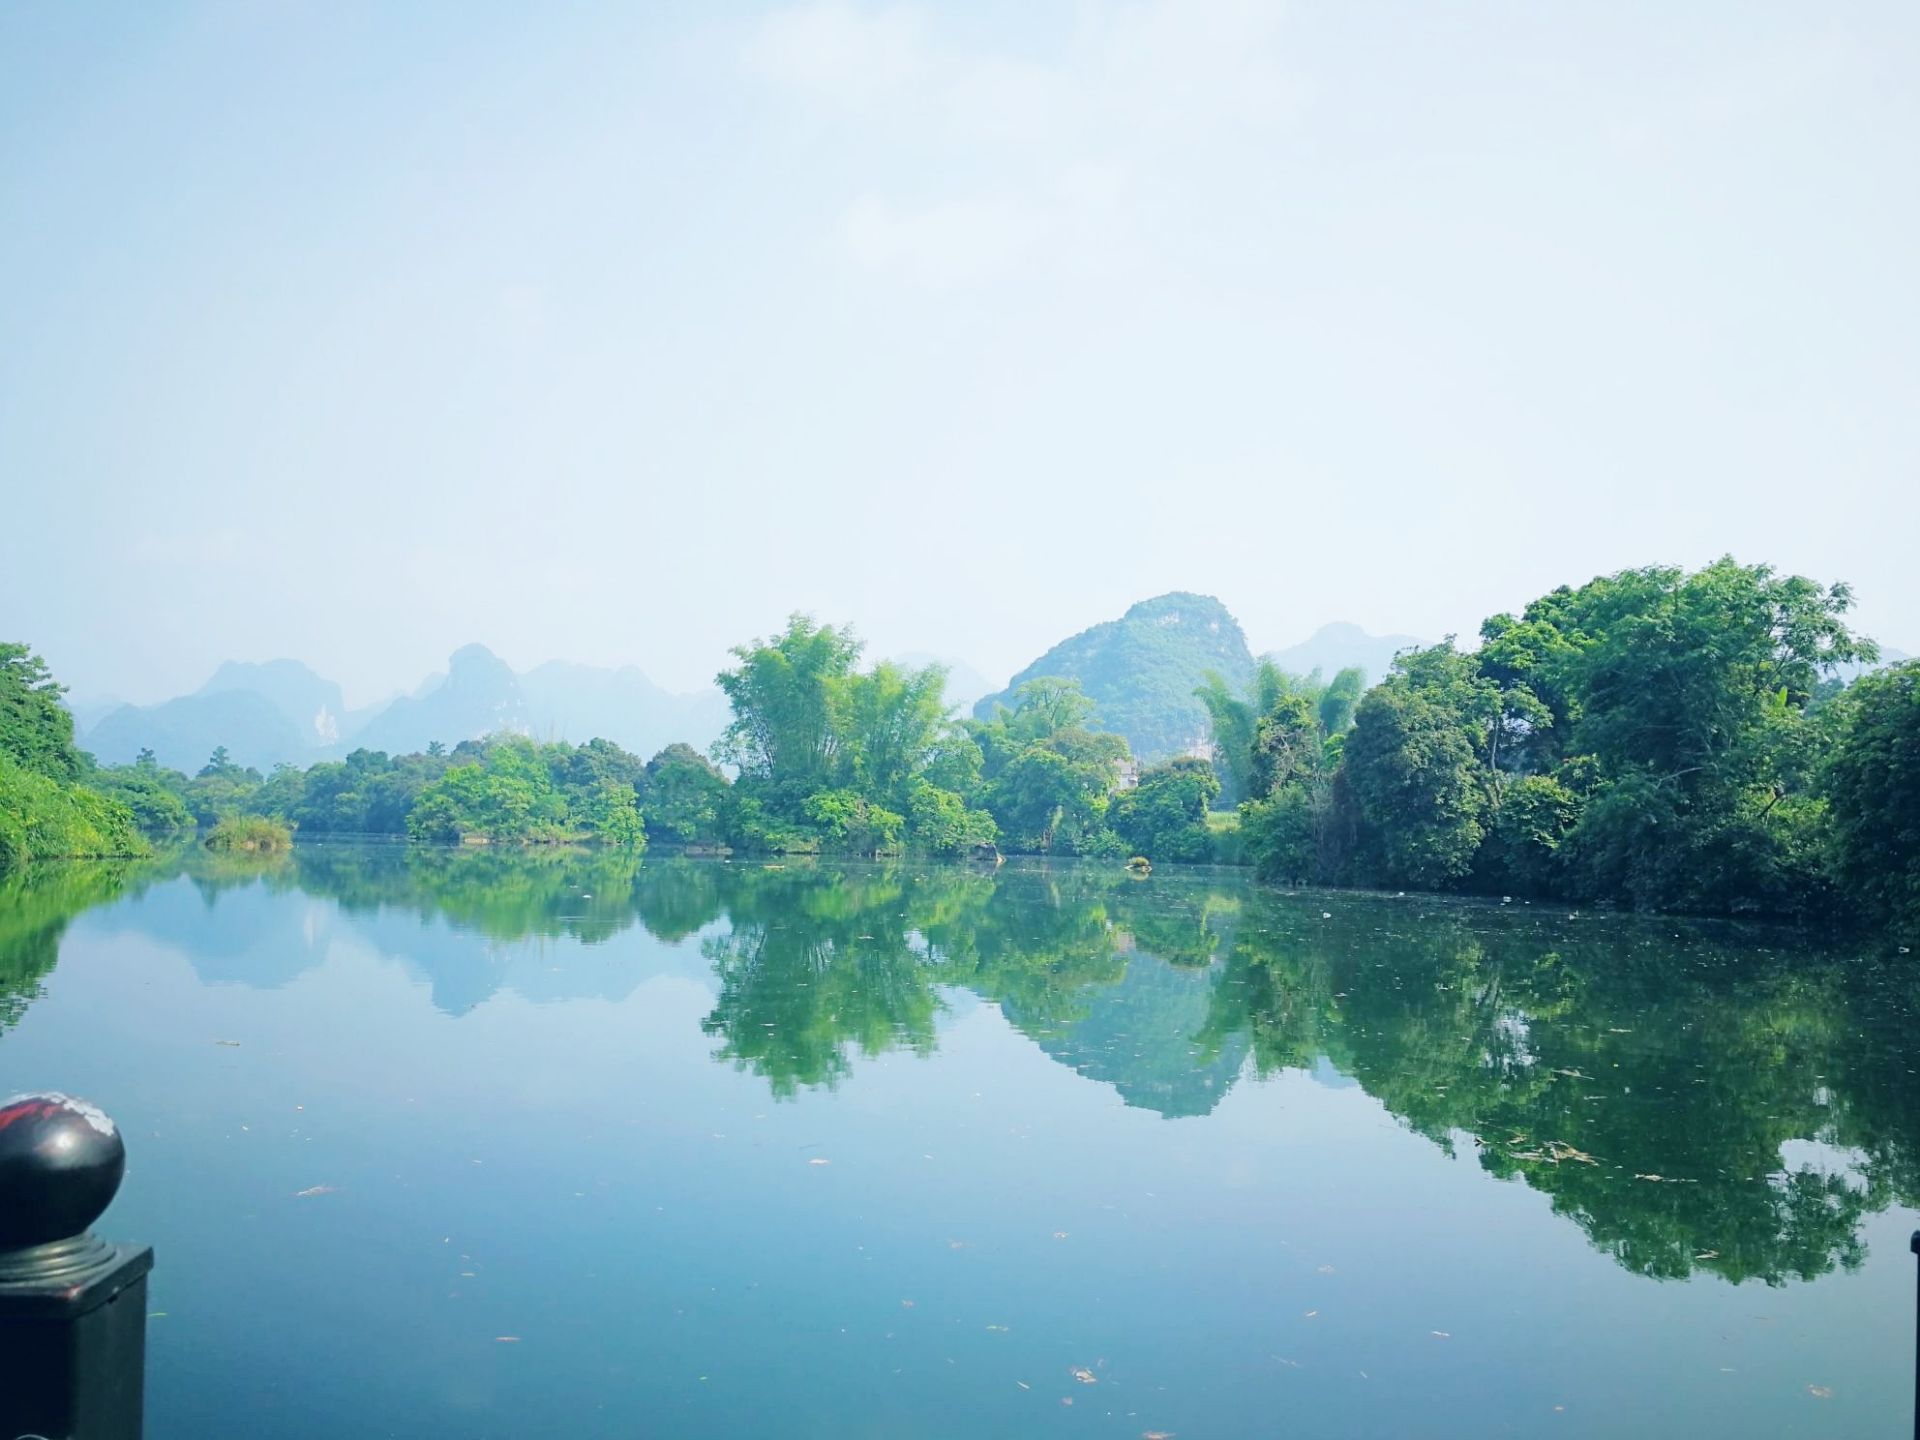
(1656,738)
(831,756)
(1164,816)
(1047,779)
(36,732)
(45,810)
(1873,785)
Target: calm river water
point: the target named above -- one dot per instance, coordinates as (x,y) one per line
(477,1144)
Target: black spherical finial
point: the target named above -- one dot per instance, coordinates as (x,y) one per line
(61,1161)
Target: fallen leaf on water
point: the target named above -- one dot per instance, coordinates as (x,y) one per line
(1066,1399)
(1084,1375)
(230,1044)
(956,1244)
(1000,1328)
(1310,1314)
(818,1161)
(1059,1234)
(1441,1335)
(316,1190)
(1156,1435)
(906,1304)
(506,1339)
(1820,1392)
(1325,1270)
(1023,1384)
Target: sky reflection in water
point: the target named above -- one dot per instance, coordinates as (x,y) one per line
(500,1144)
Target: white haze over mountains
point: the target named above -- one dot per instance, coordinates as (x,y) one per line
(280,711)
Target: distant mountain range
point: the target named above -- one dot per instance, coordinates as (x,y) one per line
(280,711)
(965,685)
(1336,647)
(1140,671)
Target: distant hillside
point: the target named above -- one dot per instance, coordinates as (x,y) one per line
(264,714)
(480,695)
(578,702)
(89,710)
(182,733)
(1853,670)
(1141,670)
(281,711)
(1333,648)
(965,685)
(313,703)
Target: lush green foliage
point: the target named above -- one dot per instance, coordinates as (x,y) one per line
(1279,746)
(685,797)
(1164,816)
(1048,779)
(253,833)
(831,756)
(44,818)
(45,812)
(36,732)
(512,790)
(1873,787)
(1655,738)
(1140,670)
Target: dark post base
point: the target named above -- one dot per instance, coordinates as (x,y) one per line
(73,1322)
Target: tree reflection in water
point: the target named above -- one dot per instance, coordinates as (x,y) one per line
(1693,1097)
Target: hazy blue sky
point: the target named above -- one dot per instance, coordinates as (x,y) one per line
(615,332)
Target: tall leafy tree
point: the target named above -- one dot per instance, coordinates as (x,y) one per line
(1164,817)
(1872,786)
(788,695)
(36,731)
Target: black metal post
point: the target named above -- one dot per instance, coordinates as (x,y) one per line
(73,1309)
(1914,1244)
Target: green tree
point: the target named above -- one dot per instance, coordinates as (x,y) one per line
(831,756)
(1872,786)
(1164,816)
(684,797)
(1047,781)
(1413,762)
(1692,694)
(788,695)
(36,730)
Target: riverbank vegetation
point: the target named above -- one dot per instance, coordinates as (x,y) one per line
(254,834)
(46,809)
(1656,739)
